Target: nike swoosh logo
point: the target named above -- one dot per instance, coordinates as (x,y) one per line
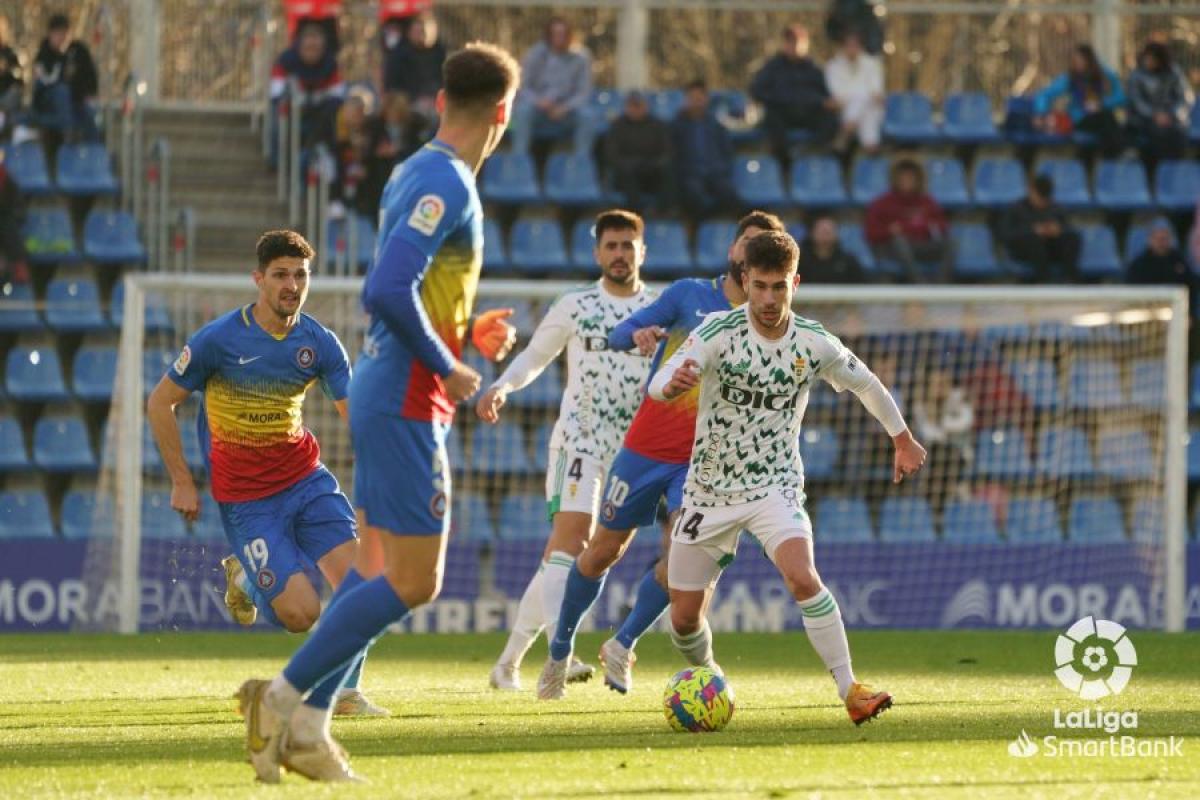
(242,360)
(701,313)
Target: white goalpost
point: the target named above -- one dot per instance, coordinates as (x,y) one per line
(1057,481)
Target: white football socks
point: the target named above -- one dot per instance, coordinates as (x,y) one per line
(528,623)
(823,624)
(554,586)
(309,724)
(281,697)
(696,647)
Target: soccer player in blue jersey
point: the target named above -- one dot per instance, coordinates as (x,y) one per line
(279,506)
(652,465)
(419,293)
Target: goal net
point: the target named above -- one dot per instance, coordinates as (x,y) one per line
(1055,421)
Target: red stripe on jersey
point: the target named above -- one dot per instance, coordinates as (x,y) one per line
(426,398)
(664,431)
(241,473)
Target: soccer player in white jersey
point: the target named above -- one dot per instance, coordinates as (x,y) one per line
(755,366)
(604,389)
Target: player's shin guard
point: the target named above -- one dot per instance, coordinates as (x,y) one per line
(529,621)
(652,601)
(581,592)
(823,624)
(696,648)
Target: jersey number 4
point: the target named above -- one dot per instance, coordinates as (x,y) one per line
(575,473)
(692,524)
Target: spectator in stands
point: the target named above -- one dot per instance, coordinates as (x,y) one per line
(637,153)
(392,136)
(855,17)
(906,225)
(944,419)
(1162,262)
(12,84)
(12,213)
(792,90)
(1036,232)
(556,87)
(822,257)
(1159,99)
(856,80)
(65,83)
(1094,94)
(350,154)
(314,68)
(703,156)
(414,66)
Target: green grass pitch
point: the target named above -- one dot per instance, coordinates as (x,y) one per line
(104,716)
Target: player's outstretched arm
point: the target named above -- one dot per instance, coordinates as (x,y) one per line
(548,340)
(160,412)
(492,334)
(646,326)
(681,373)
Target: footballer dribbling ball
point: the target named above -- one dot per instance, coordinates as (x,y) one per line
(698,700)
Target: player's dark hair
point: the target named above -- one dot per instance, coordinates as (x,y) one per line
(761,220)
(281,244)
(618,219)
(772,251)
(58,22)
(479,75)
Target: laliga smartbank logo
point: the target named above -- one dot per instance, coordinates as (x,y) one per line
(1094,659)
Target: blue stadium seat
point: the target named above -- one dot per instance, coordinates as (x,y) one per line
(908,119)
(18,309)
(582,245)
(1126,456)
(797,231)
(970,521)
(712,245)
(48,236)
(571,180)
(1094,385)
(1194,396)
(1033,520)
(1122,186)
(1148,523)
(1193,456)
(843,519)
(74,306)
(666,103)
(155,364)
(974,252)
(759,182)
(946,181)
(667,250)
(25,515)
(851,236)
(999,182)
(454,448)
(26,164)
(85,169)
(34,374)
(536,245)
(13,455)
(968,119)
(906,519)
(152,462)
(816,182)
(1038,380)
(1064,453)
(60,444)
(157,318)
(87,514)
(1177,185)
(111,237)
(338,232)
(545,391)
(541,448)
(1070,182)
(190,437)
(470,518)
(495,254)
(159,521)
(1194,128)
(1098,256)
(500,449)
(1002,453)
(510,179)
(868,179)
(1147,384)
(208,525)
(1136,237)
(819,449)
(523,516)
(1096,519)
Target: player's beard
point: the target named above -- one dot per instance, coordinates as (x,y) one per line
(281,306)
(620,280)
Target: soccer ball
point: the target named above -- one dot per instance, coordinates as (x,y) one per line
(698,699)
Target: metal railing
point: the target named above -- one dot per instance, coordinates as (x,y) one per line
(183,241)
(131,147)
(319,177)
(287,148)
(157,213)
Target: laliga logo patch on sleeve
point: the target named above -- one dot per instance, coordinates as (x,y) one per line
(427,214)
(185,358)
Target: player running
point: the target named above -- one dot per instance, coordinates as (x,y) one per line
(651,465)
(419,293)
(604,387)
(279,505)
(754,367)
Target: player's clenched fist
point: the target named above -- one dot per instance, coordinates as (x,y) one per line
(490,403)
(492,335)
(910,456)
(683,379)
(186,500)
(461,383)
(647,339)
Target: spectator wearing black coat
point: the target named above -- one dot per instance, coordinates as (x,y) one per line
(637,152)
(791,88)
(822,257)
(1162,262)
(858,17)
(12,212)
(392,136)
(1037,233)
(65,84)
(703,157)
(12,83)
(414,66)
(1159,98)
(310,68)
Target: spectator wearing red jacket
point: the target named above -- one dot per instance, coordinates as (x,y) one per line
(907,226)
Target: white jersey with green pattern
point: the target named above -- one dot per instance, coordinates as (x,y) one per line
(604,388)
(753,394)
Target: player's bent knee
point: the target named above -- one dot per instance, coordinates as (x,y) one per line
(804,583)
(297,618)
(416,591)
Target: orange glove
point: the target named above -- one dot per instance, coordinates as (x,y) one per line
(492,335)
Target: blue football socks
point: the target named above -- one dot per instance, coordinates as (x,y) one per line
(580,594)
(322,696)
(652,601)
